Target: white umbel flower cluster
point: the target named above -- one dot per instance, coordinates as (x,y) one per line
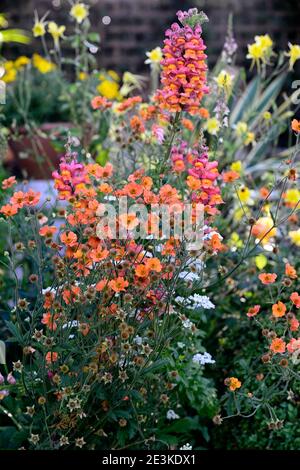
(203,359)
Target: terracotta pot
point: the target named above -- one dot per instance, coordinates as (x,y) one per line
(35,156)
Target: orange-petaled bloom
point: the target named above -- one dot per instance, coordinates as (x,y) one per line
(32,198)
(296,126)
(9,182)
(137,125)
(129,103)
(230,176)
(294,324)
(295,298)
(69,238)
(141,271)
(267,278)
(290,271)
(183,67)
(278,346)
(119,284)
(47,231)
(100,102)
(253,311)
(18,199)
(9,210)
(51,356)
(233,383)
(278,309)
(188,124)
(154,264)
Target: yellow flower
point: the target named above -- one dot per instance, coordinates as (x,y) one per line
(113,75)
(154,56)
(295,236)
(250,138)
(241,128)
(260,50)
(39,27)
(293,54)
(292,197)
(261,261)
(244,194)
(240,213)
(213,126)
(82,76)
(108,89)
(56,31)
(235,240)
(264,229)
(44,66)
(10,75)
(21,61)
(79,11)
(267,115)
(131,82)
(237,166)
(224,80)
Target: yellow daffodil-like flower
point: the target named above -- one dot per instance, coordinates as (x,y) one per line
(154,57)
(39,27)
(113,74)
(224,81)
(264,229)
(42,65)
(56,31)
(109,89)
(79,12)
(244,194)
(237,166)
(131,82)
(241,129)
(21,61)
(292,197)
(82,76)
(295,237)
(293,54)
(10,72)
(267,115)
(213,126)
(260,50)
(250,138)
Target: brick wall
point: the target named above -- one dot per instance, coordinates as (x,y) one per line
(138,25)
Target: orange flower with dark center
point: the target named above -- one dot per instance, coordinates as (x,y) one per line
(141,270)
(230,176)
(119,284)
(278,346)
(278,309)
(253,311)
(9,210)
(267,278)
(153,264)
(296,126)
(295,298)
(47,231)
(9,182)
(69,238)
(290,271)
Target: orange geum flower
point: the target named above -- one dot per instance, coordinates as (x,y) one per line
(9,182)
(119,284)
(294,324)
(290,271)
(137,125)
(295,298)
(147,182)
(9,210)
(105,188)
(49,320)
(100,102)
(267,278)
(230,176)
(188,124)
(18,199)
(51,356)
(32,198)
(296,126)
(193,183)
(264,192)
(278,346)
(129,221)
(141,271)
(233,383)
(278,309)
(47,231)
(253,311)
(99,254)
(69,238)
(154,264)
(133,190)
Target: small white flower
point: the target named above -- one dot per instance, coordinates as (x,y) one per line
(186,446)
(187,324)
(203,359)
(138,340)
(172,415)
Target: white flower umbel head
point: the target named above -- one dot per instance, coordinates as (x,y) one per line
(203,359)
(186,446)
(172,415)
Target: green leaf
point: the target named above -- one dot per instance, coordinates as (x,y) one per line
(2,353)
(245,102)
(12,327)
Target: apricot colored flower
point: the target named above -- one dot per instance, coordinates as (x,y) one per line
(234,383)
(253,311)
(141,271)
(264,229)
(278,309)
(51,356)
(154,264)
(69,238)
(18,199)
(9,182)
(230,176)
(267,278)
(293,345)
(294,324)
(278,346)
(119,284)
(290,271)
(100,102)
(9,210)
(296,126)
(133,189)
(295,298)
(47,231)
(32,198)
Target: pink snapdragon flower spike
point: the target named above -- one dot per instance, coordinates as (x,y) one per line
(183,66)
